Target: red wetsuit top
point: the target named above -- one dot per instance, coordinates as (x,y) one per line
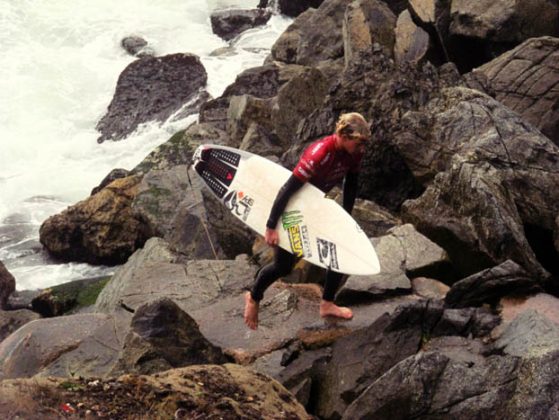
(324,166)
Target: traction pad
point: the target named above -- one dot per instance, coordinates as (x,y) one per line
(217,168)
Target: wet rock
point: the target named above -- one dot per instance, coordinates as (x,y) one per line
(152,89)
(82,344)
(367,22)
(243,111)
(526,80)
(136,46)
(286,46)
(162,336)
(489,285)
(261,141)
(98,230)
(10,321)
(7,285)
(114,174)
(412,43)
(227,24)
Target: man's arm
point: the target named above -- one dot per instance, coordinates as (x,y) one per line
(350,191)
(291,186)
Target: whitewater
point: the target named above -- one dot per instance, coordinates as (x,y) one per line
(59,67)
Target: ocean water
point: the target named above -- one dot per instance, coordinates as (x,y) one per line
(60,61)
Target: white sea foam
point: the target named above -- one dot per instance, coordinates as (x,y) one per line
(60,64)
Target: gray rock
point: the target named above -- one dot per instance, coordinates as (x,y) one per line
(10,321)
(111,176)
(162,337)
(295,8)
(412,43)
(403,250)
(243,111)
(497,176)
(525,79)
(429,288)
(136,46)
(529,335)
(152,88)
(82,344)
(286,46)
(368,22)
(489,285)
(229,23)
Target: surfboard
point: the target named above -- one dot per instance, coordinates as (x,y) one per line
(312,227)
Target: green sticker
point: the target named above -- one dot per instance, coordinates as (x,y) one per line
(291,218)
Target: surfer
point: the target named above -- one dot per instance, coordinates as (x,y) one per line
(325,163)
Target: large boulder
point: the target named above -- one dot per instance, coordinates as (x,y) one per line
(100,230)
(82,344)
(153,88)
(229,23)
(525,79)
(495,177)
(7,285)
(412,43)
(161,337)
(10,321)
(367,22)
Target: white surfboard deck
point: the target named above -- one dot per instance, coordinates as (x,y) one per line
(312,226)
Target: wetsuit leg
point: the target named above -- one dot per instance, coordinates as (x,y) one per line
(331,285)
(281,266)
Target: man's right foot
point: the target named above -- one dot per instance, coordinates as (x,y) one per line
(251,312)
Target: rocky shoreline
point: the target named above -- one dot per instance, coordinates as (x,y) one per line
(458,194)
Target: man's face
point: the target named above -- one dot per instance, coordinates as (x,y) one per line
(354,144)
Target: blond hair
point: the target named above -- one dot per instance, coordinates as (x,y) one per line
(353,124)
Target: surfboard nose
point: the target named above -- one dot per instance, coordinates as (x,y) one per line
(202,153)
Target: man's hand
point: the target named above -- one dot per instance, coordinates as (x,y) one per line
(271,236)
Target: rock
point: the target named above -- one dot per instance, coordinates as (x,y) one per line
(433,16)
(261,82)
(229,23)
(429,288)
(295,100)
(260,141)
(438,385)
(504,21)
(294,9)
(361,358)
(68,297)
(10,321)
(367,22)
(152,88)
(494,169)
(546,305)
(98,230)
(476,322)
(412,43)
(7,286)
(243,111)
(403,250)
(114,174)
(525,79)
(286,46)
(81,345)
(489,285)
(189,392)
(161,337)
(134,284)
(137,46)
(374,219)
(529,335)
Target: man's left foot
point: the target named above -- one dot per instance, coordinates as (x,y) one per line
(331,309)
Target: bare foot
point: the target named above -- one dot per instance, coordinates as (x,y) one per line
(331,309)
(251,312)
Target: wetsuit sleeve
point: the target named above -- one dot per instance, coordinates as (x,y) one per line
(291,186)
(350,191)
